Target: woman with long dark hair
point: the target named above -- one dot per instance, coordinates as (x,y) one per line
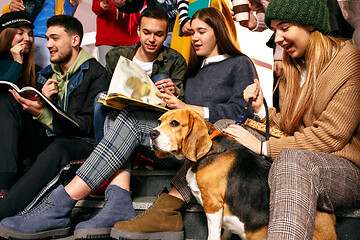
(317,166)
(16,66)
(17,49)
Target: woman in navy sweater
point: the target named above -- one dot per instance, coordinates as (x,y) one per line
(217,73)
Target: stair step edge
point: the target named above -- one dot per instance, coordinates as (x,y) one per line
(139,203)
(155,172)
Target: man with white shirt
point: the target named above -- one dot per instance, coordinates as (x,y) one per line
(151,55)
(165,66)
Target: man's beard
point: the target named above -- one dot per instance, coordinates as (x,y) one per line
(63,59)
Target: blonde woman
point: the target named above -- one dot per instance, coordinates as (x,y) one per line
(317,165)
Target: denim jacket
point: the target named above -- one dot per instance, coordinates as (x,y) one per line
(90,79)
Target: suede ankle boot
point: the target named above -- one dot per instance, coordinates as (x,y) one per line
(50,218)
(162,220)
(117,207)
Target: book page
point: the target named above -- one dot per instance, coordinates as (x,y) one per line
(132,81)
(31,93)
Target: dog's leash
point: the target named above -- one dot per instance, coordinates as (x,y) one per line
(245,117)
(246,114)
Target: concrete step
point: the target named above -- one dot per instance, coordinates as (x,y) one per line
(146,182)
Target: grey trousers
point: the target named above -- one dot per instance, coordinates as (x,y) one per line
(300,182)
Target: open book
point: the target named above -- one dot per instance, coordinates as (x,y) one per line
(130,85)
(30,92)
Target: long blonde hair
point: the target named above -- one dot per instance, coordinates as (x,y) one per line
(28,73)
(296,99)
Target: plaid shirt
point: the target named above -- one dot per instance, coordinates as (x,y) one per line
(169,62)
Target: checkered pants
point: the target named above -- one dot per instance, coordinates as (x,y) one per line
(124,132)
(300,182)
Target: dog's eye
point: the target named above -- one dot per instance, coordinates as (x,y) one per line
(174,123)
(158,122)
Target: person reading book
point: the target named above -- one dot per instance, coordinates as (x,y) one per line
(16,64)
(30,129)
(165,66)
(219,65)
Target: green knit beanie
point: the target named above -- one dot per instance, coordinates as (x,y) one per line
(307,12)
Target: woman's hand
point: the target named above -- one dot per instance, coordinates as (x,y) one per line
(244,137)
(167,84)
(50,88)
(17,52)
(254,91)
(171,100)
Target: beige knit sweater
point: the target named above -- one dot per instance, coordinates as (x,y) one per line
(332,124)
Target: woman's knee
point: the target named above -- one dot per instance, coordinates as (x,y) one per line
(293,161)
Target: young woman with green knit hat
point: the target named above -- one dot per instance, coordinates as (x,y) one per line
(317,166)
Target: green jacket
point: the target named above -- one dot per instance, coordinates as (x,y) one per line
(169,62)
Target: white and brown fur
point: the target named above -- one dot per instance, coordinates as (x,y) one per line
(227,179)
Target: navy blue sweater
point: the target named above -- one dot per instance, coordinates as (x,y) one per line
(219,86)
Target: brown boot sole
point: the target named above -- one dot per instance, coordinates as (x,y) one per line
(56,233)
(118,234)
(99,233)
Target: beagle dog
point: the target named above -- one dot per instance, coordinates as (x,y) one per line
(227,179)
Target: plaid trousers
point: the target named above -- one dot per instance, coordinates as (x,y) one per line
(300,182)
(124,132)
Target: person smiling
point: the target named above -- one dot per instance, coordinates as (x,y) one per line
(216,76)
(16,66)
(17,49)
(30,129)
(317,166)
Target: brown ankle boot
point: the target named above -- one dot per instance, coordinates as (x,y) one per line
(161,221)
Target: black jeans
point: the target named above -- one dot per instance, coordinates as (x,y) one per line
(20,135)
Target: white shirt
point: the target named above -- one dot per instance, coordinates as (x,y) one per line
(146,66)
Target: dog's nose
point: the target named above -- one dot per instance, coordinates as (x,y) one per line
(154,134)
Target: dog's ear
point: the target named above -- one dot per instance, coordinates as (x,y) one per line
(161,154)
(197,141)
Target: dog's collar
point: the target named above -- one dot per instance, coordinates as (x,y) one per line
(214,134)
